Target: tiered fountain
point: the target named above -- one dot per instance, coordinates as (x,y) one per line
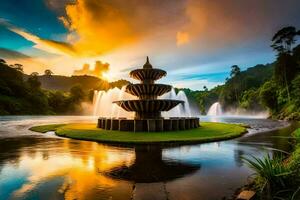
(148,107)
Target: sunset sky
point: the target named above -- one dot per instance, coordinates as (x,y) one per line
(195,41)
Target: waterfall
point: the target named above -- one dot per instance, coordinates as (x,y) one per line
(215,109)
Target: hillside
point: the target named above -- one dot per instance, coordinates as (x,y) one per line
(22,94)
(238,84)
(65,83)
(235,88)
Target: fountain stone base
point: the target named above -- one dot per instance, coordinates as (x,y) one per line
(148,125)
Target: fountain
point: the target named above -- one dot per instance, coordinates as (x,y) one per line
(150,112)
(215,109)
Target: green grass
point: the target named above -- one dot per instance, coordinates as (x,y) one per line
(296,133)
(86,131)
(294,159)
(46,128)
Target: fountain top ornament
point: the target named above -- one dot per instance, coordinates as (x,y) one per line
(148,107)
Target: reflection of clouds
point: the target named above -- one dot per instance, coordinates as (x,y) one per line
(204,154)
(80,168)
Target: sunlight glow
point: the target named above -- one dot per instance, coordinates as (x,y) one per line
(109,76)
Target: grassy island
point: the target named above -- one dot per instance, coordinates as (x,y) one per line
(87,131)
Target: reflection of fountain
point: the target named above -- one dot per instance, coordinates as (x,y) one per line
(215,109)
(148,106)
(149,166)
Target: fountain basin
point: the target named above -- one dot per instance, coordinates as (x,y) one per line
(147,74)
(148,109)
(148,105)
(148,91)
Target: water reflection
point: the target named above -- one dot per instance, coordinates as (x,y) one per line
(34,167)
(149,166)
(61,169)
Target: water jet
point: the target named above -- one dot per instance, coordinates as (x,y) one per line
(215,109)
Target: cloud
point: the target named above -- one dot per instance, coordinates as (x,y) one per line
(105,25)
(11,54)
(12,57)
(202,36)
(58,5)
(98,70)
(216,24)
(182,38)
(99,27)
(196,84)
(30,64)
(50,46)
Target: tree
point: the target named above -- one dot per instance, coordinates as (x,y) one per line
(296,56)
(33,81)
(250,100)
(57,101)
(76,94)
(234,74)
(285,67)
(268,95)
(18,67)
(34,74)
(205,88)
(296,89)
(48,72)
(284,39)
(235,70)
(2,61)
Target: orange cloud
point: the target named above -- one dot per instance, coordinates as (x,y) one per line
(102,26)
(182,38)
(98,70)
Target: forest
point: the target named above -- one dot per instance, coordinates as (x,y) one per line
(274,87)
(48,94)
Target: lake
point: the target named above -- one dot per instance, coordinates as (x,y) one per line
(44,166)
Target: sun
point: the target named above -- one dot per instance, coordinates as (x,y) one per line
(108,76)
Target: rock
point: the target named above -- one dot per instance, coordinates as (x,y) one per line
(246,195)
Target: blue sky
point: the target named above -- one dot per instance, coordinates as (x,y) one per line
(196,41)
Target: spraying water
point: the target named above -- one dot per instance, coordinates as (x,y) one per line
(215,109)
(104,107)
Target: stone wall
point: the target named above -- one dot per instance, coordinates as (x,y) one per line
(148,125)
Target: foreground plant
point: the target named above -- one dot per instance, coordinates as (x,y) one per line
(274,179)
